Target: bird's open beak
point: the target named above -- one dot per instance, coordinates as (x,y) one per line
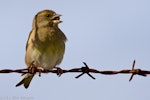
(56,18)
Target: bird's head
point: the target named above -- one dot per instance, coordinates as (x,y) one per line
(46,18)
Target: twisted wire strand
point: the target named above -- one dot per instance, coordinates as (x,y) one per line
(82,70)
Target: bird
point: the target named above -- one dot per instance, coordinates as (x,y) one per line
(45,46)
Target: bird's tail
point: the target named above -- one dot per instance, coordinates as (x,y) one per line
(26,80)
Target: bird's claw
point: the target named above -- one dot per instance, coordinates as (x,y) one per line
(33,69)
(59,71)
(39,69)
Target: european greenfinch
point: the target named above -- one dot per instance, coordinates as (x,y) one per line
(46,44)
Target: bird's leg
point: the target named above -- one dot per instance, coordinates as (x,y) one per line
(40,69)
(33,69)
(59,71)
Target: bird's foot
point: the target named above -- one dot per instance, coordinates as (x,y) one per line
(40,69)
(59,71)
(32,69)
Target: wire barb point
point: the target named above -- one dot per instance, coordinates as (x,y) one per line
(131,77)
(85,70)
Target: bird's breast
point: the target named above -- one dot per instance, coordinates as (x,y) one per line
(46,55)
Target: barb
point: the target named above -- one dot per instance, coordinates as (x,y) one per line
(83,70)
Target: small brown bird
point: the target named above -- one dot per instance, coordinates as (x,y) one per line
(46,43)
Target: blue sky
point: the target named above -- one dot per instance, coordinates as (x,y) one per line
(106,34)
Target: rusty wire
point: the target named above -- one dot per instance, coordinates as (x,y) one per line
(83,70)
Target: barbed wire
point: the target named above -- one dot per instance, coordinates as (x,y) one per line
(83,70)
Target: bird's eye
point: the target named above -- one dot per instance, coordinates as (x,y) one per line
(47,15)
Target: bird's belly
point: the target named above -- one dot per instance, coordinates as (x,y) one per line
(47,58)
